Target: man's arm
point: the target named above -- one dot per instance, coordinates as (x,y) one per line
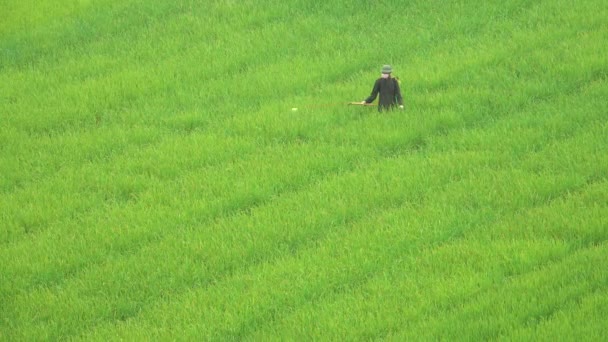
(374,93)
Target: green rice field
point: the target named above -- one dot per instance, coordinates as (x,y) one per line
(156,185)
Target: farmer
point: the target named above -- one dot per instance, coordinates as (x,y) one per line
(388,88)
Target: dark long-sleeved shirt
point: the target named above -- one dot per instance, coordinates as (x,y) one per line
(390,93)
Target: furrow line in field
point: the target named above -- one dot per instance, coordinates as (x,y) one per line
(295,251)
(549,327)
(409,251)
(557,270)
(566,301)
(571,246)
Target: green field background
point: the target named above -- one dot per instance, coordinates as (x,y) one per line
(157,185)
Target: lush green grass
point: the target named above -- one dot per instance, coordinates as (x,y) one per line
(156,184)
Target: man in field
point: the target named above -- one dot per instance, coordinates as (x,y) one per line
(388,88)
